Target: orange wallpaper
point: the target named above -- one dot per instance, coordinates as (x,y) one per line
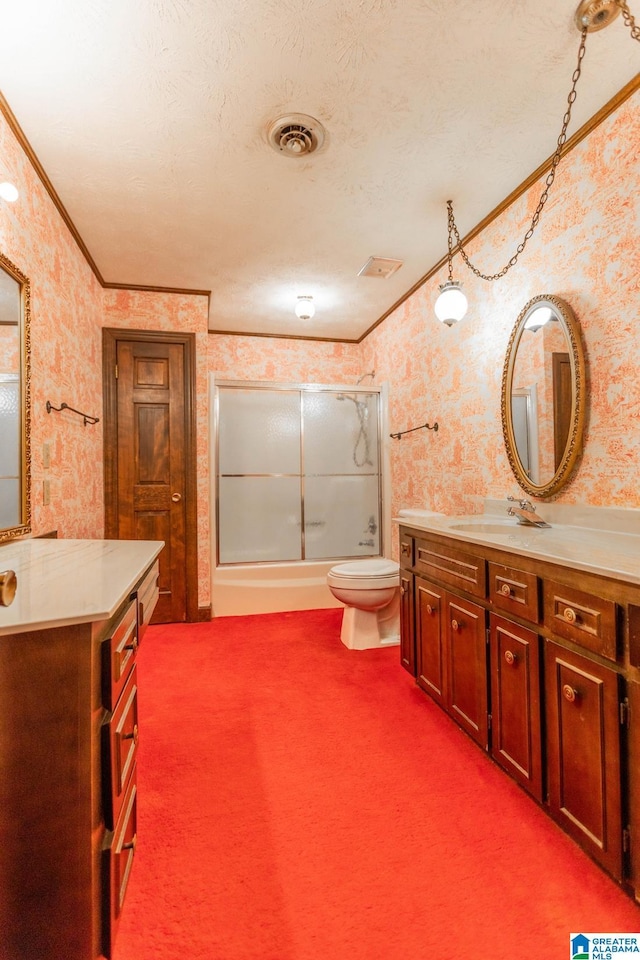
(585,251)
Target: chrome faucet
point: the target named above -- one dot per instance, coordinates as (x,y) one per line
(525,513)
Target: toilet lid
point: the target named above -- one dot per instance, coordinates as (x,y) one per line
(366,568)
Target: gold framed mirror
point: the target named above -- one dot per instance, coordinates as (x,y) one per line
(543,395)
(15,402)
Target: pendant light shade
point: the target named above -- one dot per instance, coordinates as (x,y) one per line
(451,305)
(305,308)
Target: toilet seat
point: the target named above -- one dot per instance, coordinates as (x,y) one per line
(365,574)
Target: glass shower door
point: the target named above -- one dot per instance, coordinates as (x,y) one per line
(259,495)
(341,475)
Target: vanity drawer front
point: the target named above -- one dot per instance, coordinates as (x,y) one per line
(118,655)
(120,748)
(514,590)
(587,620)
(406,551)
(457,568)
(148,593)
(117,860)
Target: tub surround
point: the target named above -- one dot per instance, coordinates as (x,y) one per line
(62,582)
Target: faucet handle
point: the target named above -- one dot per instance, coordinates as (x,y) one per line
(523,504)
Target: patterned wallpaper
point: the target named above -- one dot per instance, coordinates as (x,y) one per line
(585,251)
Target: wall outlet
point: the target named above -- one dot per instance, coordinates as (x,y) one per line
(46,492)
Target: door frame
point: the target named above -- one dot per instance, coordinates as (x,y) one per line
(110,338)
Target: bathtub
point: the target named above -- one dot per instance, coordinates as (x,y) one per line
(271,587)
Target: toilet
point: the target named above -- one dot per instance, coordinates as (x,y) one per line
(370,590)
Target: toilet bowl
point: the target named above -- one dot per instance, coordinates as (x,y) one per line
(370,592)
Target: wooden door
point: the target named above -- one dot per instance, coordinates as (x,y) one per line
(407,639)
(515,703)
(149,457)
(583,752)
(466,667)
(429,636)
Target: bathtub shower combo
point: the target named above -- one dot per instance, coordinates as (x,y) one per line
(298,471)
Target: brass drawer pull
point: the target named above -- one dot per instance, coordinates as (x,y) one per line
(133,645)
(510,657)
(131,845)
(569,693)
(405,549)
(505,590)
(570,615)
(132,736)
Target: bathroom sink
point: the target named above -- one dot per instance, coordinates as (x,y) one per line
(495,527)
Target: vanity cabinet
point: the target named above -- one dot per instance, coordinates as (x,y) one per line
(536,662)
(68,749)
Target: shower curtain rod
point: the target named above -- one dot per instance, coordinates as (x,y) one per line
(423,426)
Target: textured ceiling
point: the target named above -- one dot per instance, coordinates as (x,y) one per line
(150,118)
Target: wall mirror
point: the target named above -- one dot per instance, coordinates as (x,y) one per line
(15,458)
(543,396)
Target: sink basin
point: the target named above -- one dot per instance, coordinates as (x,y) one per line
(496,527)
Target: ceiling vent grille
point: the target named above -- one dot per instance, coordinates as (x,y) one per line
(296,135)
(381,267)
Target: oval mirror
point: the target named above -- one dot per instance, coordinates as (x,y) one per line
(15,509)
(543,395)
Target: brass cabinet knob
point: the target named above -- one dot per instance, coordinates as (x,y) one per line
(510,657)
(505,590)
(8,584)
(176,497)
(405,549)
(570,615)
(403,590)
(131,845)
(429,609)
(133,735)
(456,625)
(569,693)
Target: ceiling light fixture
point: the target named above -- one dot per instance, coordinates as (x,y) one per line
(8,192)
(451,305)
(305,308)
(590,16)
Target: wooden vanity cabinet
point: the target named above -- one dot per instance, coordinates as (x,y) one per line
(407,632)
(68,744)
(552,707)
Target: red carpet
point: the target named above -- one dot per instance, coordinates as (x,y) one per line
(300,801)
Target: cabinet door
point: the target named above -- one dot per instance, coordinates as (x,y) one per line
(466,667)
(515,703)
(429,639)
(583,746)
(407,638)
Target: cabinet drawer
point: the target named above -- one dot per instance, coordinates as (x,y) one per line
(118,655)
(147,593)
(514,590)
(457,568)
(117,860)
(581,617)
(120,743)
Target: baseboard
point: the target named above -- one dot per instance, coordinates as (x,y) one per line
(204,614)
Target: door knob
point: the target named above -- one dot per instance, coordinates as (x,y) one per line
(176,497)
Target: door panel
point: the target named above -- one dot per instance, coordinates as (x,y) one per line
(149,494)
(429,636)
(467,667)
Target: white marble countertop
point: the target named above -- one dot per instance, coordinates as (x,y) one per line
(604,548)
(71,581)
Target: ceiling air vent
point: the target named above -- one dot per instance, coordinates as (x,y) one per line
(296,135)
(381,267)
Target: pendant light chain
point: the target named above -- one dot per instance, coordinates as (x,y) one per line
(548,182)
(628,18)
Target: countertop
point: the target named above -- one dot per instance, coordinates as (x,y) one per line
(71,581)
(606,552)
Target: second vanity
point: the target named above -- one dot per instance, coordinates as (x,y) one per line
(69,740)
(529,639)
